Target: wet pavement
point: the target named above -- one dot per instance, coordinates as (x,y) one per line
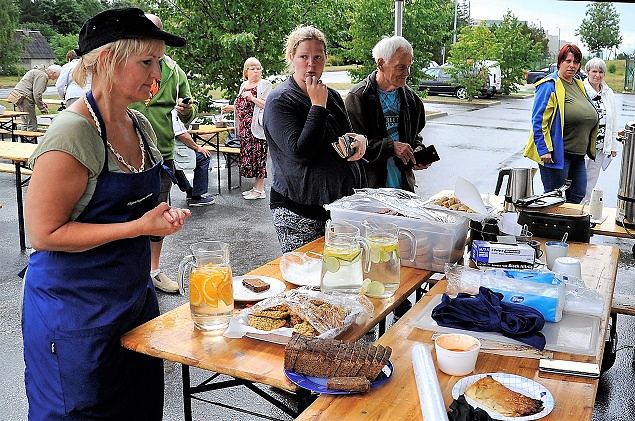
(472,142)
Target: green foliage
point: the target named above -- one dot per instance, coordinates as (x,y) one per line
(60,44)
(64,16)
(221,35)
(516,51)
(612,68)
(475,45)
(426,25)
(600,28)
(10,48)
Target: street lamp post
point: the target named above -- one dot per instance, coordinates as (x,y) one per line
(455,17)
(398,17)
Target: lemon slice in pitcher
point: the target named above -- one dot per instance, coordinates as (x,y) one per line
(375,289)
(332,264)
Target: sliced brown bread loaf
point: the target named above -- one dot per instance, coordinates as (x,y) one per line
(370,357)
(351,384)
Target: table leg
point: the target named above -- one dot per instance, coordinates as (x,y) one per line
(382,327)
(18,196)
(419,293)
(304,399)
(187,397)
(218,160)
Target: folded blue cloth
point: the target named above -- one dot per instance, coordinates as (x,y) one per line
(486,312)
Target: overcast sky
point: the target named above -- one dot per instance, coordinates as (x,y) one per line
(554,14)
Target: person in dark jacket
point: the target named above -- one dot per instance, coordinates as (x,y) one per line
(302,119)
(390,114)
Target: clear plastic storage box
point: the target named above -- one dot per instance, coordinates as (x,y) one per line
(437,243)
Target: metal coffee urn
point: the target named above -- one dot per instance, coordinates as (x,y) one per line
(625,214)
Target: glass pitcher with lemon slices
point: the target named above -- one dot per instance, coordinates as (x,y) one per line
(210,284)
(342,263)
(382,278)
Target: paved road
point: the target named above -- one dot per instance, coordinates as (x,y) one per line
(473,143)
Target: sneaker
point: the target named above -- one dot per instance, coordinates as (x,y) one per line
(203,201)
(248,192)
(165,284)
(256,194)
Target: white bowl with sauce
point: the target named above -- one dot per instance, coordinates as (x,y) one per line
(457,353)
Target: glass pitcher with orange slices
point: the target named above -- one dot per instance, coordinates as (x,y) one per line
(210,284)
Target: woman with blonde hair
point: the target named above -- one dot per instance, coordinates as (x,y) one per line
(303,119)
(248,111)
(91,207)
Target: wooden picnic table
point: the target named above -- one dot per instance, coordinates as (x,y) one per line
(398,398)
(19,154)
(173,337)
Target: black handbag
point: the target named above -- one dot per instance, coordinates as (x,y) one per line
(554,226)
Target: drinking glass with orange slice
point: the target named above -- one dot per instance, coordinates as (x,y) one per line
(209,273)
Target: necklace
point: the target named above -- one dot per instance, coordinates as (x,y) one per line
(114,152)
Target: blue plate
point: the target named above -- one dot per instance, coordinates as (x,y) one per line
(318,384)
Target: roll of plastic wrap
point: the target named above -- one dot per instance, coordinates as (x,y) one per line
(430,396)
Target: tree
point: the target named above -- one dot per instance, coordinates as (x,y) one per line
(10,48)
(600,28)
(222,34)
(426,25)
(60,44)
(517,51)
(475,46)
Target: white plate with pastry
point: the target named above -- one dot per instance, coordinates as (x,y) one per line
(242,293)
(505,396)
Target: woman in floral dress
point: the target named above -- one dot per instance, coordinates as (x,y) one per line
(248,111)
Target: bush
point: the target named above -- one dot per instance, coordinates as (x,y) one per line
(612,68)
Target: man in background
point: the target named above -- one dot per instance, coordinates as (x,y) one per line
(67,89)
(166,94)
(390,114)
(28,93)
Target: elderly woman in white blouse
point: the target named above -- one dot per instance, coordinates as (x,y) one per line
(603,99)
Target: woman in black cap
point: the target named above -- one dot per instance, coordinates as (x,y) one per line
(91,205)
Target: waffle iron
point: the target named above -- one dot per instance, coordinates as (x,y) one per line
(543,201)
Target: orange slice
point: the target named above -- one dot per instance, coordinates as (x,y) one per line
(225,293)
(196,298)
(210,293)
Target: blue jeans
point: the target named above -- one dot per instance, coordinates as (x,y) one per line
(574,170)
(201,177)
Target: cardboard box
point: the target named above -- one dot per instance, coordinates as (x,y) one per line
(518,256)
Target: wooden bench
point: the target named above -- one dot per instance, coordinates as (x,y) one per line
(623,304)
(27,135)
(231,157)
(10,168)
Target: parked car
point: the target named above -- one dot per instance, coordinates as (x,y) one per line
(534,76)
(437,80)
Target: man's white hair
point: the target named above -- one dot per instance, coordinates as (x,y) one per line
(595,64)
(387,47)
(54,68)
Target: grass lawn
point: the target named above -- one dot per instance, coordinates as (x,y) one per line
(9,81)
(616,80)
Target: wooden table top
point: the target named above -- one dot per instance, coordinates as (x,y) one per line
(11,114)
(204,129)
(173,337)
(398,398)
(608,227)
(16,151)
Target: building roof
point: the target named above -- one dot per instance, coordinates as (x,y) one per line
(37,47)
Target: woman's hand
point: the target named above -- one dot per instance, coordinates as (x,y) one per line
(163,220)
(316,90)
(546,158)
(359,145)
(229,108)
(248,95)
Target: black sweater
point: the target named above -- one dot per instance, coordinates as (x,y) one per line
(306,169)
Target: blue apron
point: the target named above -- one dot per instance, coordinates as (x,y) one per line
(77,306)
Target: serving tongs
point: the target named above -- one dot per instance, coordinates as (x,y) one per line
(546,200)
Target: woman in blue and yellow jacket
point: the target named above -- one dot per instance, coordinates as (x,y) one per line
(564,127)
